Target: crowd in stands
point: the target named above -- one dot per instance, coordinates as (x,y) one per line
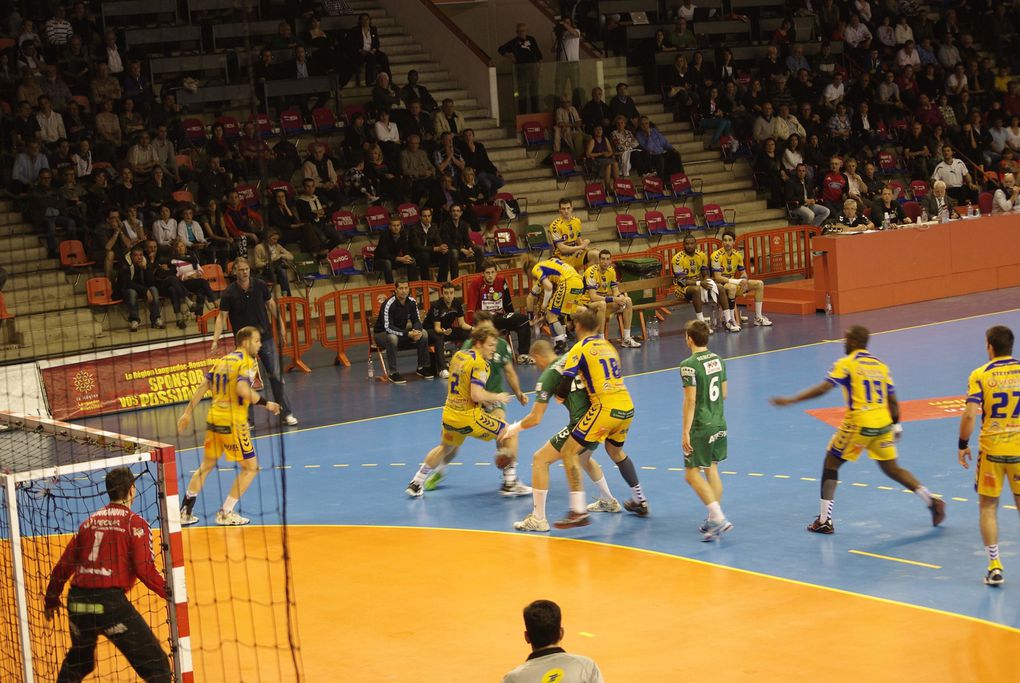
(99,154)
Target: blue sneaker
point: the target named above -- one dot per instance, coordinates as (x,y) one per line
(714,530)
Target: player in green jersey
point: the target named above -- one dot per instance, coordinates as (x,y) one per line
(577,404)
(500,366)
(704,436)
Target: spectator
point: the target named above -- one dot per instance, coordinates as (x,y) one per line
(283,217)
(494,297)
(317,230)
(476,157)
(680,90)
(544,633)
(126,192)
(358,137)
(834,92)
(566,46)
(907,55)
(387,136)
(624,145)
(857,37)
(834,186)
(840,130)
(916,151)
(60,158)
(109,53)
(796,61)
(568,128)
(1007,197)
(657,149)
(135,282)
(523,50)
(54,88)
(213,182)
(109,134)
(284,38)
(142,157)
(413,90)
(801,201)
(189,231)
(110,242)
(164,228)
(394,251)
(415,167)
(381,175)
(793,155)
(271,261)
(266,69)
(104,87)
(359,183)
(247,301)
(600,158)
(164,276)
(27,167)
(417,122)
(25,126)
(445,322)
(134,227)
(28,36)
(769,173)
(772,69)
(74,64)
(31,63)
(214,226)
(75,195)
(319,168)
(254,151)
(473,193)
(429,247)
(455,234)
(623,105)
(954,173)
(241,221)
(948,54)
(713,118)
(448,159)
(449,120)
(363,49)
(681,37)
(765,124)
(595,112)
(47,210)
(51,124)
(137,87)
(166,155)
(385,95)
(226,151)
(189,272)
(398,327)
(304,66)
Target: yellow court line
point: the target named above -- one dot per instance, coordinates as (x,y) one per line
(896,559)
(586,634)
(738,570)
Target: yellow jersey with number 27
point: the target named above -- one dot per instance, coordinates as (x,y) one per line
(995,387)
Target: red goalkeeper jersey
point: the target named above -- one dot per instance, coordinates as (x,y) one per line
(112,549)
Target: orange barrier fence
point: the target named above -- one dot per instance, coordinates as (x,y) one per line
(297,330)
(778,253)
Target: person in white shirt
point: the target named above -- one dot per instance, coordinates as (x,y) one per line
(856,35)
(904,34)
(1013,134)
(863,8)
(548,661)
(113,57)
(834,92)
(51,124)
(907,55)
(1007,197)
(686,11)
(189,231)
(953,172)
(164,229)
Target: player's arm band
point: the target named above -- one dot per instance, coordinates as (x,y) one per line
(962,444)
(262,401)
(608,298)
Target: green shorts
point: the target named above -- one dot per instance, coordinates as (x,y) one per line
(561,437)
(709,446)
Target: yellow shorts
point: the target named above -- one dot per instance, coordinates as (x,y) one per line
(575,260)
(566,296)
(851,439)
(991,473)
(479,424)
(233,442)
(604,423)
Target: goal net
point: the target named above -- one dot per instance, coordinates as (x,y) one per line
(229,612)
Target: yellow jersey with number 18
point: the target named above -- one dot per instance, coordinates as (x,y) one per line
(995,387)
(596,361)
(867,386)
(466,368)
(228,408)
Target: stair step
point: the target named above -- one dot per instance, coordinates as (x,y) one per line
(29,280)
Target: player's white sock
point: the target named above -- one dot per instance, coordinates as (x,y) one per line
(228,504)
(993,553)
(825,510)
(757,309)
(423,472)
(558,330)
(538,497)
(924,494)
(639,495)
(604,488)
(510,474)
(727,315)
(715,511)
(577,499)
(700,316)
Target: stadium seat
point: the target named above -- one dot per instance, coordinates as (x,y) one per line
(194,132)
(488,215)
(249,196)
(563,168)
(715,217)
(408,215)
(4,313)
(656,225)
(654,190)
(683,187)
(183,197)
(346,225)
(262,124)
(341,263)
(898,191)
(231,129)
(888,163)
(291,122)
(506,242)
(596,199)
(537,239)
(913,210)
(377,218)
(625,192)
(368,258)
(919,189)
(99,292)
(627,229)
(683,216)
(985,203)
(213,273)
(323,120)
(478,239)
(280,185)
(72,255)
(184,160)
(534,135)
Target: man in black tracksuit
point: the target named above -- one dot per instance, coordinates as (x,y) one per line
(399,327)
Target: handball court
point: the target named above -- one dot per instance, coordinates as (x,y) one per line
(394,589)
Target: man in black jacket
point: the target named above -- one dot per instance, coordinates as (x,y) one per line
(455,234)
(415,91)
(134,281)
(475,156)
(800,199)
(429,247)
(623,105)
(213,182)
(524,52)
(596,112)
(445,322)
(399,327)
(394,251)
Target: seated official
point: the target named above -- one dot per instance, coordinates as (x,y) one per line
(851,221)
(888,209)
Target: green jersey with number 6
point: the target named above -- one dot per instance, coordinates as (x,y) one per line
(706,372)
(499,359)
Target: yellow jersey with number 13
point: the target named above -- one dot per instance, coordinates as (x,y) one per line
(867,386)
(995,387)
(596,361)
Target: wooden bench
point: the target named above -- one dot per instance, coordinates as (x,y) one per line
(661,307)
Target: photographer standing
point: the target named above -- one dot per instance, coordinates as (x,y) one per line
(567,48)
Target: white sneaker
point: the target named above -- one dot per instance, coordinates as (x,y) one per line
(605,505)
(515,489)
(743,318)
(188,520)
(732,326)
(134,325)
(532,523)
(525,359)
(762,321)
(444,374)
(230,519)
(290,420)
(630,343)
(711,325)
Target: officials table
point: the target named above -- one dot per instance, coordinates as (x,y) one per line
(917,263)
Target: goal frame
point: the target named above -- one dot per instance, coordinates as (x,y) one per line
(172,546)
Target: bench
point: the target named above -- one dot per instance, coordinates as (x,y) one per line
(190,64)
(142,38)
(138,8)
(661,306)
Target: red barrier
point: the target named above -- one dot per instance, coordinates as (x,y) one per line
(778,253)
(297,328)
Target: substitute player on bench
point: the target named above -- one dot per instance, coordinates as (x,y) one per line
(603,289)
(871,424)
(560,289)
(692,280)
(993,393)
(226,425)
(112,550)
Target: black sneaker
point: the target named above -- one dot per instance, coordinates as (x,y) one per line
(573,519)
(639,509)
(938,511)
(820,527)
(396,378)
(994,576)
(426,373)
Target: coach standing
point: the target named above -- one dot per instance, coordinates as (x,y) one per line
(248,302)
(112,550)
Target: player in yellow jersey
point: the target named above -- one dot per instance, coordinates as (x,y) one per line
(464,414)
(566,236)
(871,424)
(226,427)
(692,280)
(608,418)
(993,394)
(561,289)
(728,271)
(603,295)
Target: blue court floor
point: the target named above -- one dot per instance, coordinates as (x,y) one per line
(360,442)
